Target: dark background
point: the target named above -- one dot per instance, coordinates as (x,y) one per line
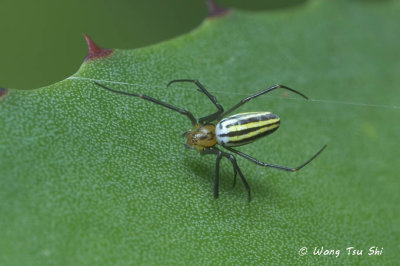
(42,43)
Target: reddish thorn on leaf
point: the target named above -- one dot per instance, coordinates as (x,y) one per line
(3,92)
(94,50)
(215,10)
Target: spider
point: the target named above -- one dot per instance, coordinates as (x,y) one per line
(227,131)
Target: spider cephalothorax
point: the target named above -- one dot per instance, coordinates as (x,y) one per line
(202,136)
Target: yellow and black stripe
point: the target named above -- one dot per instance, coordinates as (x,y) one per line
(244,128)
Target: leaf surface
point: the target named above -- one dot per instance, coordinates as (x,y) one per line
(90,177)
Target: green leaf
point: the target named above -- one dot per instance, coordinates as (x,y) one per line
(89,177)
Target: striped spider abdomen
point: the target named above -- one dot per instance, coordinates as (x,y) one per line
(243,128)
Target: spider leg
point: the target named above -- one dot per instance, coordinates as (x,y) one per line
(280,167)
(201,88)
(148,98)
(236,168)
(234,171)
(216,180)
(245,100)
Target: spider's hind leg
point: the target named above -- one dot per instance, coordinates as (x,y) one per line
(236,169)
(232,159)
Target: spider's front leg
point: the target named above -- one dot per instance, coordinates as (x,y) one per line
(209,118)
